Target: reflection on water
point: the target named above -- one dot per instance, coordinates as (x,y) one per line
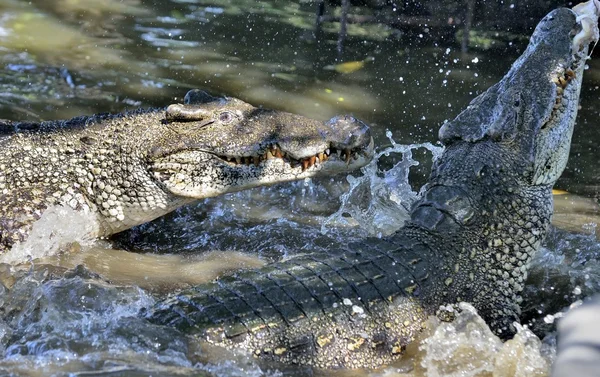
(71,57)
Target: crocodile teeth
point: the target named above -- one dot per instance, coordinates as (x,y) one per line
(562,81)
(273,151)
(346,155)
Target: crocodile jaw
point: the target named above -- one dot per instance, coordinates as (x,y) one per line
(269,155)
(200,174)
(532,110)
(554,138)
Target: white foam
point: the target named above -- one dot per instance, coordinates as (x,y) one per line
(57,227)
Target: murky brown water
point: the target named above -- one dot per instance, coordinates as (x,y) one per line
(64,58)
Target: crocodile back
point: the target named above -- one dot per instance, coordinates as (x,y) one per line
(339,308)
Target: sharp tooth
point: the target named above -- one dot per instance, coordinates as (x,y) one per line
(348,154)
(305,164)
(317,160)
(320,156)
(325,158)
(562,81)
(269,155)
(278,153)
(339,152)
(570,73)
(555,80)
(238,160)
(312,160)
(327,151)
(559,90)
(256,160)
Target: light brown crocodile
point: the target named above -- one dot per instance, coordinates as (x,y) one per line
(127,169)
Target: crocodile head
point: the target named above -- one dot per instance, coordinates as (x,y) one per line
(532,110)
(211,146)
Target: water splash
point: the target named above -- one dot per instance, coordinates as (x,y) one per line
(80,323)
(58,227)
(467,347)
(379,202)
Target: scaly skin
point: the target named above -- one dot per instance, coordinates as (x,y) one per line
(130,168)
(483,214)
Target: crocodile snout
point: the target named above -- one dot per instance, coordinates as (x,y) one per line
(349,132)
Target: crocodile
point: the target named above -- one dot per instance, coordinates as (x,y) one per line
(480,218)
(129,168)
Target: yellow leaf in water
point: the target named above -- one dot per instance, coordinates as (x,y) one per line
(327,90)
(559,192)
(347,67)
(350,67)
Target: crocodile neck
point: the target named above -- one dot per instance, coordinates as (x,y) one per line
(484,228)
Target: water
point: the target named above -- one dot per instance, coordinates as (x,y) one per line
(67,58)
(379,201)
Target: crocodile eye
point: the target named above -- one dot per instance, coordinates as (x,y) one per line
(226,117)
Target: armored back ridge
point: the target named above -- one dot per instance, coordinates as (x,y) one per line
(126,169)
(482,215)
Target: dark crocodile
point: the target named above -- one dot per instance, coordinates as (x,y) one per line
(470,237)
(126,169)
